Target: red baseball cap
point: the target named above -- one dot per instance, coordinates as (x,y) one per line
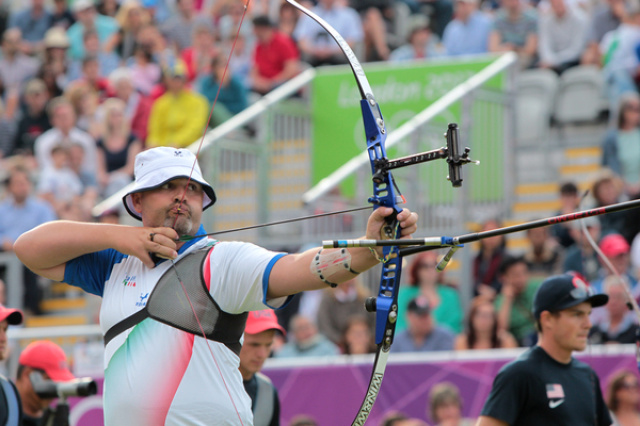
(259,321)
(613,245)
(13,316)
(46,355)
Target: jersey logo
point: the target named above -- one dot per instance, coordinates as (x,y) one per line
(554,404)
(129,281)
(143,299)
(554,391)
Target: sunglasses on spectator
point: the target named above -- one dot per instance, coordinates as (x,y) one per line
(626,385)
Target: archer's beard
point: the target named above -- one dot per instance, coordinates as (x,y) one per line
(183,226)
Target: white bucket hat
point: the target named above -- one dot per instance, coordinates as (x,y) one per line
(157,166)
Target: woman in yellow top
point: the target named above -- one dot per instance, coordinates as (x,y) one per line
(178,117)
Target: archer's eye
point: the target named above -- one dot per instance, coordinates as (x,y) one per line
(195,187)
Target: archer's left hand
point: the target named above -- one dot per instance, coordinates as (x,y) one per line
(407,219)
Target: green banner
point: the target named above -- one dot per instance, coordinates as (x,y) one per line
(402,90)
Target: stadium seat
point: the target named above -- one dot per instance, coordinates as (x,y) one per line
(536,91)
(579,95)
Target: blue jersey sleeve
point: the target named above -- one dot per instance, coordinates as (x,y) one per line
(92,270)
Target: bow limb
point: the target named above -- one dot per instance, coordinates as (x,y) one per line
(384,194)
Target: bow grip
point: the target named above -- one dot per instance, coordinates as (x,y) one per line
(390,228)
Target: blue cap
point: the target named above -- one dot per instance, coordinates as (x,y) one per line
(564,291)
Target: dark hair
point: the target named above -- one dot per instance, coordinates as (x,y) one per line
(624,101)
(414,269)
(19,169)
(614,384)
(568,188)
(352,320)
(508,262)
(22,367)
(262,21)
(145,49)
(471,332)
(538,324)
(219,59)
(442,394)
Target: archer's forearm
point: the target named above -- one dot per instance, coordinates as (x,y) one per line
(298,272)
(49,246)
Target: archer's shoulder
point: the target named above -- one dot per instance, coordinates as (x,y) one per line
(526,363)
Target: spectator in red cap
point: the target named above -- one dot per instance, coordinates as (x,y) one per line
(617,249)
(48,359)
(9,401)
(258,338)
(7,317)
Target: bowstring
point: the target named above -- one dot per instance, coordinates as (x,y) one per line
(184,194)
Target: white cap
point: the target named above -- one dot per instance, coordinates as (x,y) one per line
(80,5)
(157,166)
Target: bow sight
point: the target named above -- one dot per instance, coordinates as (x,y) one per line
(451,152)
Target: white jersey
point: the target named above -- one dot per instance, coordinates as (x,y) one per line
(156,374)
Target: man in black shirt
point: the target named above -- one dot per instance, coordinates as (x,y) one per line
(259,334)
(546,385)
(33,120)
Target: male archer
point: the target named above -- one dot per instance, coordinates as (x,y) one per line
(159,369)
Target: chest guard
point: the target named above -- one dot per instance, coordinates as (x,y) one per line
(169,305)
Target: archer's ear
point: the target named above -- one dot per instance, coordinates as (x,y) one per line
(545,318)
(136,199)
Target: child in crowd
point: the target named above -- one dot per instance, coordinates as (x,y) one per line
(60,186)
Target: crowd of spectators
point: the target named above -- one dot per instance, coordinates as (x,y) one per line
(87,84)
